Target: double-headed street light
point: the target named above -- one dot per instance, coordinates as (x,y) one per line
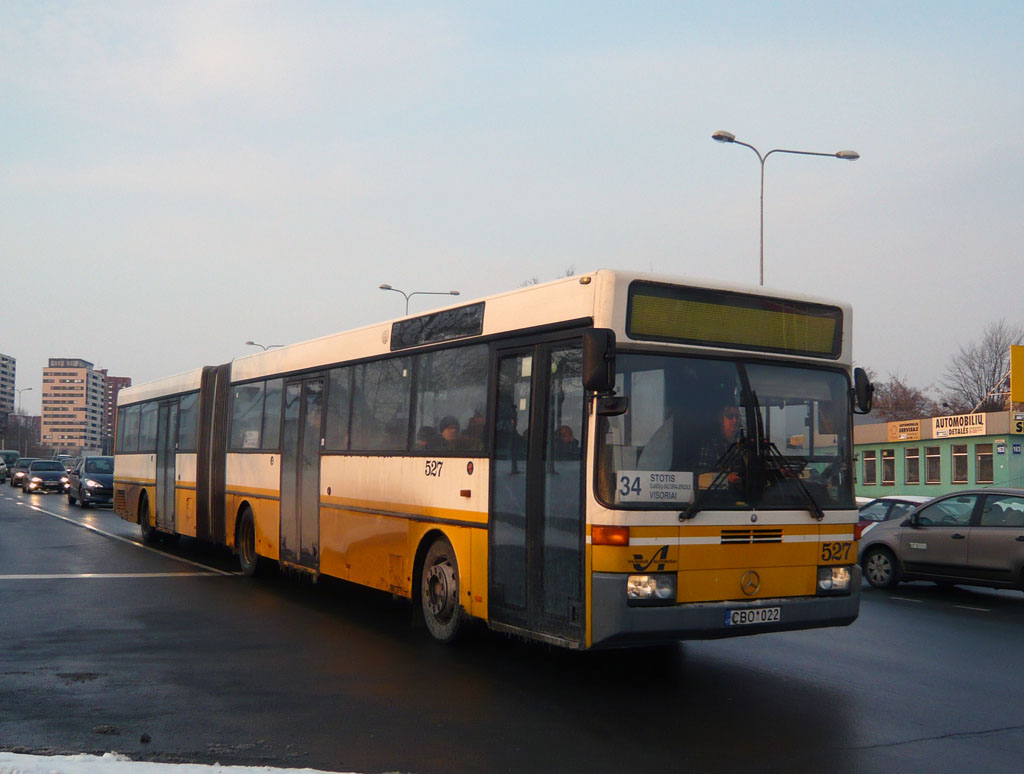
(419,293)
(21,419)
(265,346)
(720,136)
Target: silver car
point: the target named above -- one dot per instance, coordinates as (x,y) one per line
(974,537)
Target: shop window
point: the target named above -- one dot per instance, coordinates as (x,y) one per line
(983,469)
(912,466)
(870,469)
(960,463)
(888,467)
(932,465)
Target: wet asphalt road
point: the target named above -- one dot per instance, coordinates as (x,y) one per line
(169,655)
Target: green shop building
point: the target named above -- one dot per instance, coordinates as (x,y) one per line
(940,454)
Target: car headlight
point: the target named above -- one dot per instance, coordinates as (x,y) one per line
(63,479)
(92,484)
(834,580)
(35,480)
(651,589)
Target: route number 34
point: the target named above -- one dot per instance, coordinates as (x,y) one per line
(835,552)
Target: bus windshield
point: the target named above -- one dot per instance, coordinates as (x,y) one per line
(739,434)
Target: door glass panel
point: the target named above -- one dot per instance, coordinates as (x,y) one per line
(562,461)
(310,474)
(512,431)
(951,512)
(1003,511)
(289,465)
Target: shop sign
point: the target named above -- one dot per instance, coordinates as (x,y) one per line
(905,431)
(958,426)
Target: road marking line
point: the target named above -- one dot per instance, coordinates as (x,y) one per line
(99,531)
(907,599)
(979,609)
(90,575)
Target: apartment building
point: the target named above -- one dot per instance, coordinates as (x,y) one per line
(8,367)
(7,370)
(72,416)
(112,386)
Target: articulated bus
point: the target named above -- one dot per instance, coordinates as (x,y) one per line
(551,461)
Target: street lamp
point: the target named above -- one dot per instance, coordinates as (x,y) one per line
(419,293)
(265,346)
(21,419)
(721,136)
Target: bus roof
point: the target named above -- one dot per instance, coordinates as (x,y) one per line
(599,298)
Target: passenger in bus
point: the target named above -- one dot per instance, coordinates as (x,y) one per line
(426,438)
(449,439)
(566,447)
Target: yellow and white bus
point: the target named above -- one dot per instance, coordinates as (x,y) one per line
(548,460)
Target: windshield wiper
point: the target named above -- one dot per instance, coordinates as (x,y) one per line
(783,465)
(723,467)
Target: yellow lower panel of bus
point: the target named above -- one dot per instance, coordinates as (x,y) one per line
(380,551)
(720,585)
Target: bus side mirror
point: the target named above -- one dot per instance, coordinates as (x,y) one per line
(599,360)
(863,391)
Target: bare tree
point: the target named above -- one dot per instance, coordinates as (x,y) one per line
(534,280)
(975,379)
(895,401)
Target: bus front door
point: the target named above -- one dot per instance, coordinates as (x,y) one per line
(166,443)
(300,473)
(537,529)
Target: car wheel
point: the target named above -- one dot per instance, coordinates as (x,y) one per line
(880,568)
(71,498)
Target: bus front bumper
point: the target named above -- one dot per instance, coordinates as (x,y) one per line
(617,624)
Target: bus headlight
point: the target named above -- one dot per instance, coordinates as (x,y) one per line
(651,589)
(834,580)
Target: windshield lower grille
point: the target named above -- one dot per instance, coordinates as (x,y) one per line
(746,536)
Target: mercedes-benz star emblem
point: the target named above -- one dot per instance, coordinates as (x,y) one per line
(750,583)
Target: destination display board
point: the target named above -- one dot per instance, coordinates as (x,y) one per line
(720,318)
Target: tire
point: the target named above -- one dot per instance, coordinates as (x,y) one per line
(149,532)
(245,544)
(439,592)
(71,498)
(880,568)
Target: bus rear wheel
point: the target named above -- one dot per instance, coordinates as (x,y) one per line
(439,592)
(245,543)
(149,533)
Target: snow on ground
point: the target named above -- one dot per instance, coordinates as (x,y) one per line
(114,763)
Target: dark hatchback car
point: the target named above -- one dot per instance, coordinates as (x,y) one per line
(17,473)
(974,537)
(44,476)
(91,481)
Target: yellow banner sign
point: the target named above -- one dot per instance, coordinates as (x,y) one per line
(905,431)
(960,425)
(1016,374)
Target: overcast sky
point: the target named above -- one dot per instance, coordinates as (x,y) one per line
(179,177)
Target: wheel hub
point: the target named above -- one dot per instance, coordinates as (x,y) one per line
(439,582)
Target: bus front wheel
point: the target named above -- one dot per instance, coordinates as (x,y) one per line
(439,591)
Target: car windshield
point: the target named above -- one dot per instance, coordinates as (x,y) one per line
(47,465)
(99,465)
(741,433)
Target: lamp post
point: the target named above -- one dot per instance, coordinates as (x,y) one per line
(21,419)
(265,346)
(419,293)
(721,136)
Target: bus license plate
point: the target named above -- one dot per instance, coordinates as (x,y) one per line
(756,615)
